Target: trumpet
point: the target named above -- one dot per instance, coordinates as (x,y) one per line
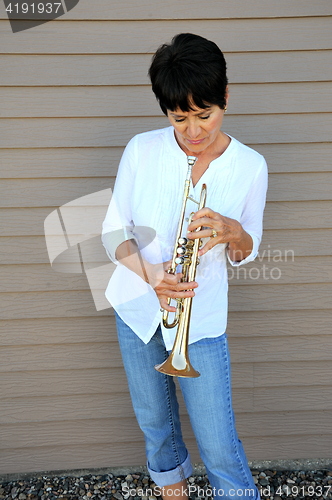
(185,253)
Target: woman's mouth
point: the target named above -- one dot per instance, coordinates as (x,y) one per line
(197,141)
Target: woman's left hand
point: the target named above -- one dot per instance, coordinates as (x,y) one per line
(218,228)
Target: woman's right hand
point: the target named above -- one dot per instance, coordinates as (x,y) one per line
(167,285)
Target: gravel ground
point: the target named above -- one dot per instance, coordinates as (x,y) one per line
(273,485)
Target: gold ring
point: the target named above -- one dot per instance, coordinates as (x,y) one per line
(214,233)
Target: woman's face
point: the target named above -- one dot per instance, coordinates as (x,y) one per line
(198,129)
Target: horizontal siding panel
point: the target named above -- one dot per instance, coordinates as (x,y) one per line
(23,250)
(298,241)
(59,162)
(293,423)
(62,408)
(32,250)
(274,349)
(290,447)
(289,158)
(238,35)
(288,270)
(298,215)
(101,132)
(280,323)
(261,298)
(259,67)
(60,357)
(65,382)
(85,407)
(139,101)
(242,298)
(278,267)
(47,305)
(106,355)
(98,328)
(29,435)
(285,373)
(52,192)
(39,277)
(211,9)
(300,186)
(55,192)
(127,69)
(45,383)
(130,455)
(103,161)
(98,431)
(295,398)
(64,458)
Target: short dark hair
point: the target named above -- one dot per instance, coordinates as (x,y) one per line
(190,70)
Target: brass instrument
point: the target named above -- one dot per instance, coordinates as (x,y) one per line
(186,254)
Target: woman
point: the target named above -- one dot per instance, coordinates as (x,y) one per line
(189,80)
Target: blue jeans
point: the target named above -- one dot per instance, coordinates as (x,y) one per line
(209,405)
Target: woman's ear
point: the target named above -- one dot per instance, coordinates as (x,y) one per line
(226,95)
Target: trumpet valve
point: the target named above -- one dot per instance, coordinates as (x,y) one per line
(181,250)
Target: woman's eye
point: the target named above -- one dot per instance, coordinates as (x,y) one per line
(205,117)
(179,120)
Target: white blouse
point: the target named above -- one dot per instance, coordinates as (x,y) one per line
(146,206)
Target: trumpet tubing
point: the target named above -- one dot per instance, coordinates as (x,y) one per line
(185,253)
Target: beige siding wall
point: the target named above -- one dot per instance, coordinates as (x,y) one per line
(73,92)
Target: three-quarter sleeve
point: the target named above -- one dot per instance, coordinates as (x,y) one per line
(118,224)
(252,213)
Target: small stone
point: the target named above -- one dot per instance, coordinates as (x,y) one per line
(14,492)
(118,496)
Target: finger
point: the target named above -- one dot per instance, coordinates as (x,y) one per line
(173,295)
(203,233)
(167,265)
(205,248)
(204,212)
(176,294)
(172,279)
(186,285)
(202,221)
(180,290)
(164,305)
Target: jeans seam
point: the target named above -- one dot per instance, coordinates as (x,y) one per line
(232,424)
(170,415)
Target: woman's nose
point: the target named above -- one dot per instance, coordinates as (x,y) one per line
(193,130)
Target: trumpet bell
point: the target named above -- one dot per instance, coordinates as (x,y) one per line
(181,368)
